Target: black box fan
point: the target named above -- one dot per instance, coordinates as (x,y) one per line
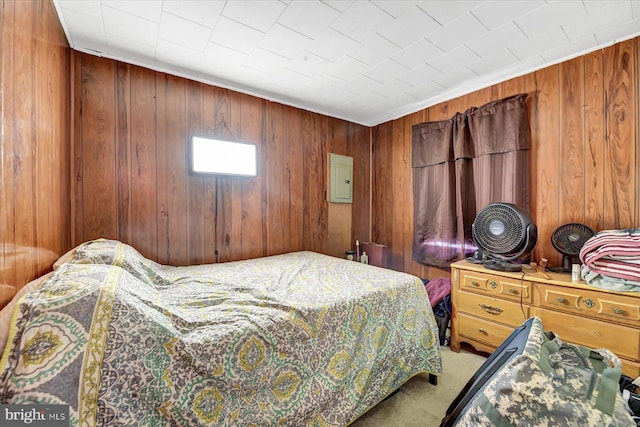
(568,239)
(503,232)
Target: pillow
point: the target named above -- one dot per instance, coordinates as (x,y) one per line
(67,257)
(7,312)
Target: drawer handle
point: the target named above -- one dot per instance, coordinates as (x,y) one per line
(561,300)
(482,331)
(512,291)
(474,283)
(618,310)
(490,309)
(589,303)
(493,284)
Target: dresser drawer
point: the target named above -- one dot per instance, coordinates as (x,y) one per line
(482,330)
(630,368)
(622,340)
(493,309)
(505,287)
(583,302)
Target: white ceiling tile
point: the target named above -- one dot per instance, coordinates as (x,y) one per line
(446,12)
(339,5)
(85,27)
(260,15)
(245,77)
(220,60)
(485,44)
(518,68)
(493,63)
(418,53)
(177,54)
(331,45)
(374,50)
(495,13)
(318,54)
(393,87)
(552,13)
(392,102)
(347,68)
(539,43)
(91,45)
(292,80)
(330,80)
(183,32)
(284,41)
(235,35)
(454,58)
(593,6)
(361,84)
(308,17)
(619,32)
(454,78)
(130,26)
(341,96)
(425,90)
(572,48)
(201,12)
(598,19)
(363,102)
(362,20)
(419,75)
(386,71)
(266,62)
(273,86)
(457,32)
(134,46)
(90,8)
(147,9)
(367,100)
(411,23)
(398,9)
(308,64)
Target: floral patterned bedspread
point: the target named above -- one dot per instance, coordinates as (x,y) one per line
(295,339)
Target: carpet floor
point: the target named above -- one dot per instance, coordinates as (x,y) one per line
(419,403)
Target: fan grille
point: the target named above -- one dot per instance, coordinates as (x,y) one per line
(568,239)
(499,228)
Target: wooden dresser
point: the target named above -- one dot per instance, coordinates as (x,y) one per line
(488,304)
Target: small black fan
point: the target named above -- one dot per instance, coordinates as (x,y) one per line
(568,239)
(503,232)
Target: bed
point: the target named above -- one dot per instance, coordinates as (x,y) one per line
(294,339)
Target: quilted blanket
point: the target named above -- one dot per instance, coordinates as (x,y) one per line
(295,339)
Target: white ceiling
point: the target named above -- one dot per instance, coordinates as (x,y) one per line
(366,61)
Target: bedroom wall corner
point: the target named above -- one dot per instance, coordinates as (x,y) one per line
(585,155)
(34,142)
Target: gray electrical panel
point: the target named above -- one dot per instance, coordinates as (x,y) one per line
(341,171)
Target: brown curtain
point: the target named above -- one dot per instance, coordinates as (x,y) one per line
(461,165)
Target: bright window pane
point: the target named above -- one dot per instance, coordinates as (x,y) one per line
(216,156)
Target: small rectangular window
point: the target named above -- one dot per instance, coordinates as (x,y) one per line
(212,156)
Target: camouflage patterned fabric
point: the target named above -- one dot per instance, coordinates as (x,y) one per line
(293,340)
(551,383)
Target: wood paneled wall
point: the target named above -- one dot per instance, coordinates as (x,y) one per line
(34,142)
(131,182)
(584,116)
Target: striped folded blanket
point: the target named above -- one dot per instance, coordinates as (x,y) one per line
(614,253)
